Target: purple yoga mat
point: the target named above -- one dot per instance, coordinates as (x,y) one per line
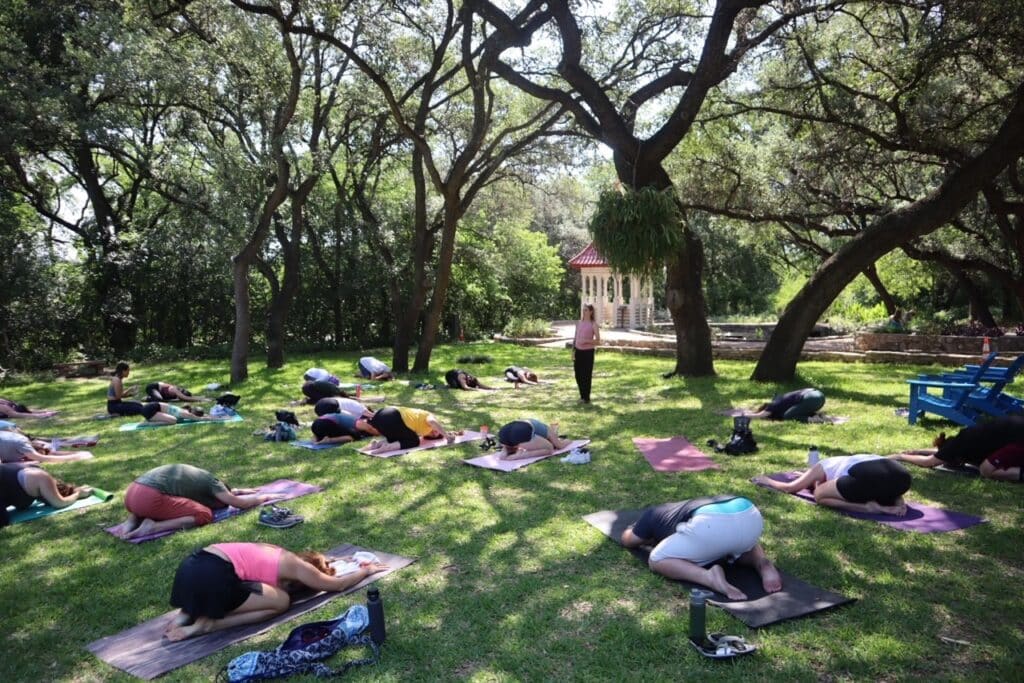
(291,489)
(921,518)
(426,444)
(674,454)
(492,461)
(142,650)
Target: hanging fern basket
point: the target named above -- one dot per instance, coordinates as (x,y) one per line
(636,229)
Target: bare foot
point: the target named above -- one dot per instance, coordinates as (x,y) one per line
(176,632)
(144,528)
(123,529)
(716,580)
(182,619)
(770,578)
(84,492)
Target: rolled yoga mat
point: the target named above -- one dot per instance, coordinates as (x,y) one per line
(922,518)
(290,489)
(142,650)
(796,599)
(38,509)
(493,461)
(427,444)
(675,454)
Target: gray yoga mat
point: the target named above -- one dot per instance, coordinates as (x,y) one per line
(796,599)
(142,650)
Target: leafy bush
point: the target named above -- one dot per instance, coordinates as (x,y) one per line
(527,327)
(971,329)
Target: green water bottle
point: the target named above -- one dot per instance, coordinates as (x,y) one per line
(698,625)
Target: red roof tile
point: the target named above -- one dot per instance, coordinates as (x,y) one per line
(588,258)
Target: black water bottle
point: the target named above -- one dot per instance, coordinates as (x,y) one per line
(698,627)
(375,607)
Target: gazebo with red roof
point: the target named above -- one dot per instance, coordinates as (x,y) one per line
(619,300)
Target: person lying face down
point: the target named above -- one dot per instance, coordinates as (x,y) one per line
(529,438)
(23,484)
(460,379)
(9,408)
(230,584)
(996,448)
(373,369)
(18,447)
(326,406)
(169,414)
(690,536)
(163,391)
(316,390)
(336,428)
(179,496)
(402,428)
(518,375)
(795,405)
(859,483)
(320,375)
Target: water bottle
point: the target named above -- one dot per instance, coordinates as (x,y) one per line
(375,607)
(698,627)
(813,456)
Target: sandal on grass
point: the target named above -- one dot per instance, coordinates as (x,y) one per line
(722,646)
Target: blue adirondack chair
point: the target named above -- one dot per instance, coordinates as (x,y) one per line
(992,399)
(952,402)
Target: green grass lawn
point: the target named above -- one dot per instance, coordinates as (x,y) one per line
(510,583)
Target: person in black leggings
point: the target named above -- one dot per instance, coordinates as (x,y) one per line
(21,485)
(116,393)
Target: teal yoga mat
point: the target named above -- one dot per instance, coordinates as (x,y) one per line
(136,426)
(38,509)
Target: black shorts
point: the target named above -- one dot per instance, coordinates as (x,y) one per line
(150,409)
(11,491)
(125,408)
(314,391)
(153,392)
(325,406)
(206,585)
(881,480)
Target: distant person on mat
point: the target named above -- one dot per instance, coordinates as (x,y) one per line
(529,438)
(9,408)
(316,390)
(180,497)
(584,345)
(18,447)
(795,405)
(858,483)
(690,535)
(518,375)
(320,375)
(230,584)
(996,448)
(373,369)
(460,379)
(22,485)
(117,392)
(402,428)
(169,414)
(336,427)
(326,406)
(162,391)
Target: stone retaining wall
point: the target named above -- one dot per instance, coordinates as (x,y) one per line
(935,343)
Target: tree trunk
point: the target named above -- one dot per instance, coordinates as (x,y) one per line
(243,322)
(441,282)
(977,307)
(407,317)
(871,273)
(782,352)
(291,282)
(684,295)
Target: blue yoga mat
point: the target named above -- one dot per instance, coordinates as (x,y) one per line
(309,445)
(39,509)
(136,426)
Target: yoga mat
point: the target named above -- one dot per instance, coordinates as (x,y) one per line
(290,489)
(796,599)
(962,470)
(142,650)
(825,419)
(36,415)
(675,454)
(136,426)
(492,461)
(39,509)
(734,412)
(356,385)
(74,441)
(426,444)
(921,518)
(309,445)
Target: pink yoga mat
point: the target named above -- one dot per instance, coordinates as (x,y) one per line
(492,461)
(426,444)
(675,454)
(921,518)
(290,489)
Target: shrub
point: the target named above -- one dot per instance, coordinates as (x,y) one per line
(527,327)
(971,329)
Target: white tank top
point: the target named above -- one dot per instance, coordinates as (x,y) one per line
(839,465)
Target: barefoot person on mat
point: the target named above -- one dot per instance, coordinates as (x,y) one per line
(171,497)
(689,537)
(996,448)
(230,584)
(23,484)
(858,483)
(402,428)
(529,439)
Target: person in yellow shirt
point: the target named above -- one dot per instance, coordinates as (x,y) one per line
(402,428)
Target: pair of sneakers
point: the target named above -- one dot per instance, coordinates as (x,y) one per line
(579,456)
(279,517)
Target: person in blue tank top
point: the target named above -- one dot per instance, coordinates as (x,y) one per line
(117,392)
(689,538)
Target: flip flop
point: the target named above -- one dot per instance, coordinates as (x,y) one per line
(722,646)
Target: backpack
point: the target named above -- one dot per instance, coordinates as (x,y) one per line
(304,648)
(282,431)
(742,439)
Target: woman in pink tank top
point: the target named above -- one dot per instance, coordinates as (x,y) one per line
(588,336)
(230,584)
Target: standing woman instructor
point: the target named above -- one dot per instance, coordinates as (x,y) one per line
(588,336)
